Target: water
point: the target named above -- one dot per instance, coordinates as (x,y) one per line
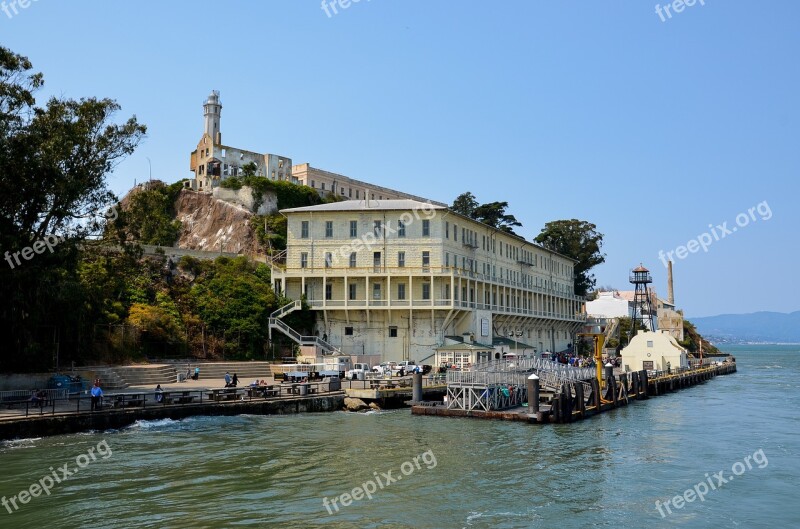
(608,471)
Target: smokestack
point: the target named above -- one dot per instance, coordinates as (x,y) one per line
(670,288)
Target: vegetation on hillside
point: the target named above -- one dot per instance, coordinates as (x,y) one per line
(149,216)
(692,339)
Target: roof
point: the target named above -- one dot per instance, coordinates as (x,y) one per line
(502,340)
(461,340)
(367,205)
(640,268)
(464,347)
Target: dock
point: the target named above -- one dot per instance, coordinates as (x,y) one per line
(542,393)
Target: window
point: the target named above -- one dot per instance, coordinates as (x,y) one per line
(342,190)
(426,291)
(401,259)
(357,192)
(376,291)
(353,290)
(348,331)
(377,228)
(353,228)
(401,228)
(447,259)
(446,230)
(328,292)
(376,261)
(649,343)
(304,229)
(350,192)
(455,233)
(304,260)
(328,259)
(313,184)
(426,260)
(401,291)
(352,259)
(392,332)
(322,186)
(329,228)
(426,228)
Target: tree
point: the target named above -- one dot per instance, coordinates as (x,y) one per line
(249,169)
(149,217)
(579,240)
(494,214)
(54,161)
(465,204)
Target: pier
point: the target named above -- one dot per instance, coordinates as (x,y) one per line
(539,391)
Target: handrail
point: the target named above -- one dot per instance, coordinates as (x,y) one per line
(286,309)
(299,338)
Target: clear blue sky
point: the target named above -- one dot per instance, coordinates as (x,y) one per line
(592,110)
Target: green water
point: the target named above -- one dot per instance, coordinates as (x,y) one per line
(608,471)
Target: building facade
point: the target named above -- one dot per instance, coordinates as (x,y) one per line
(212,161)
(395,277)
(328,183)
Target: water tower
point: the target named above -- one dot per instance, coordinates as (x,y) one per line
(642,310)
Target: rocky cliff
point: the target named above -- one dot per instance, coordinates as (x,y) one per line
(210,224)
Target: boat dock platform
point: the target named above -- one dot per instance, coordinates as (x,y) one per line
(557,394)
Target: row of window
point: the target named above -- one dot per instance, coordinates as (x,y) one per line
(376,259)
(377,229)
(504,249)
(352,291)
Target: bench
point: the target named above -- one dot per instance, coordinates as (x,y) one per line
(223,394)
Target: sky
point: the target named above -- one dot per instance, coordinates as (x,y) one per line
(666,130)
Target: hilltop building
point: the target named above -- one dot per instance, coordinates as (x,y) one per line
(401,278)
(212,162)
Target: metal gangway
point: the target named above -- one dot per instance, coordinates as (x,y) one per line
(502,384)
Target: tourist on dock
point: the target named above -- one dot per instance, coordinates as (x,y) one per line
(38,398)
(235,381)
(196,375)
(97,394)
(159,393)
(227,379)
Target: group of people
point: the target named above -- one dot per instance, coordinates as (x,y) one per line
(231,382)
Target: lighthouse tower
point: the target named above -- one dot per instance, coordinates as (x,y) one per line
(212,111)
(642,309)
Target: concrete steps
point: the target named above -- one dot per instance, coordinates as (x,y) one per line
(146,375)
(247,371)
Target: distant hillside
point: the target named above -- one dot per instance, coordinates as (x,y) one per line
(755,327)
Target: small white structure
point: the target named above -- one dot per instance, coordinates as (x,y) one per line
(653,351)
(608,305)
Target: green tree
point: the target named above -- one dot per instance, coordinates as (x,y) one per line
(579,240)
(465,204)
(249,169)
(149,217)
(494,214)
(55,159)
(235,302)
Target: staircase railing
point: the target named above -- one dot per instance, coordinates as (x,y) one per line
(275,323)
(286,309)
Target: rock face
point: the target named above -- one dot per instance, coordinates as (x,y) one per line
(374,406)
(351,404)
(210,224)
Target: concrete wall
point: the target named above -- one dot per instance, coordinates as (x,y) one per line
(24,381)
(114,419)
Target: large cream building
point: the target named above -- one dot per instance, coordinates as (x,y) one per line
(395,277)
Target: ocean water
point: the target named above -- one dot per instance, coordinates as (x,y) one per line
(426,472)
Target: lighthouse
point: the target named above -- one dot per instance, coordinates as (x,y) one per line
(212,111)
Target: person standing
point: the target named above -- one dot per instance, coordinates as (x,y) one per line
(235,381)
(97,394)
(227,379)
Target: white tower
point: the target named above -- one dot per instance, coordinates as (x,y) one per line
(212,110)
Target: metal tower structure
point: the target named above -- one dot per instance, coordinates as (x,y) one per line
(642,309)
